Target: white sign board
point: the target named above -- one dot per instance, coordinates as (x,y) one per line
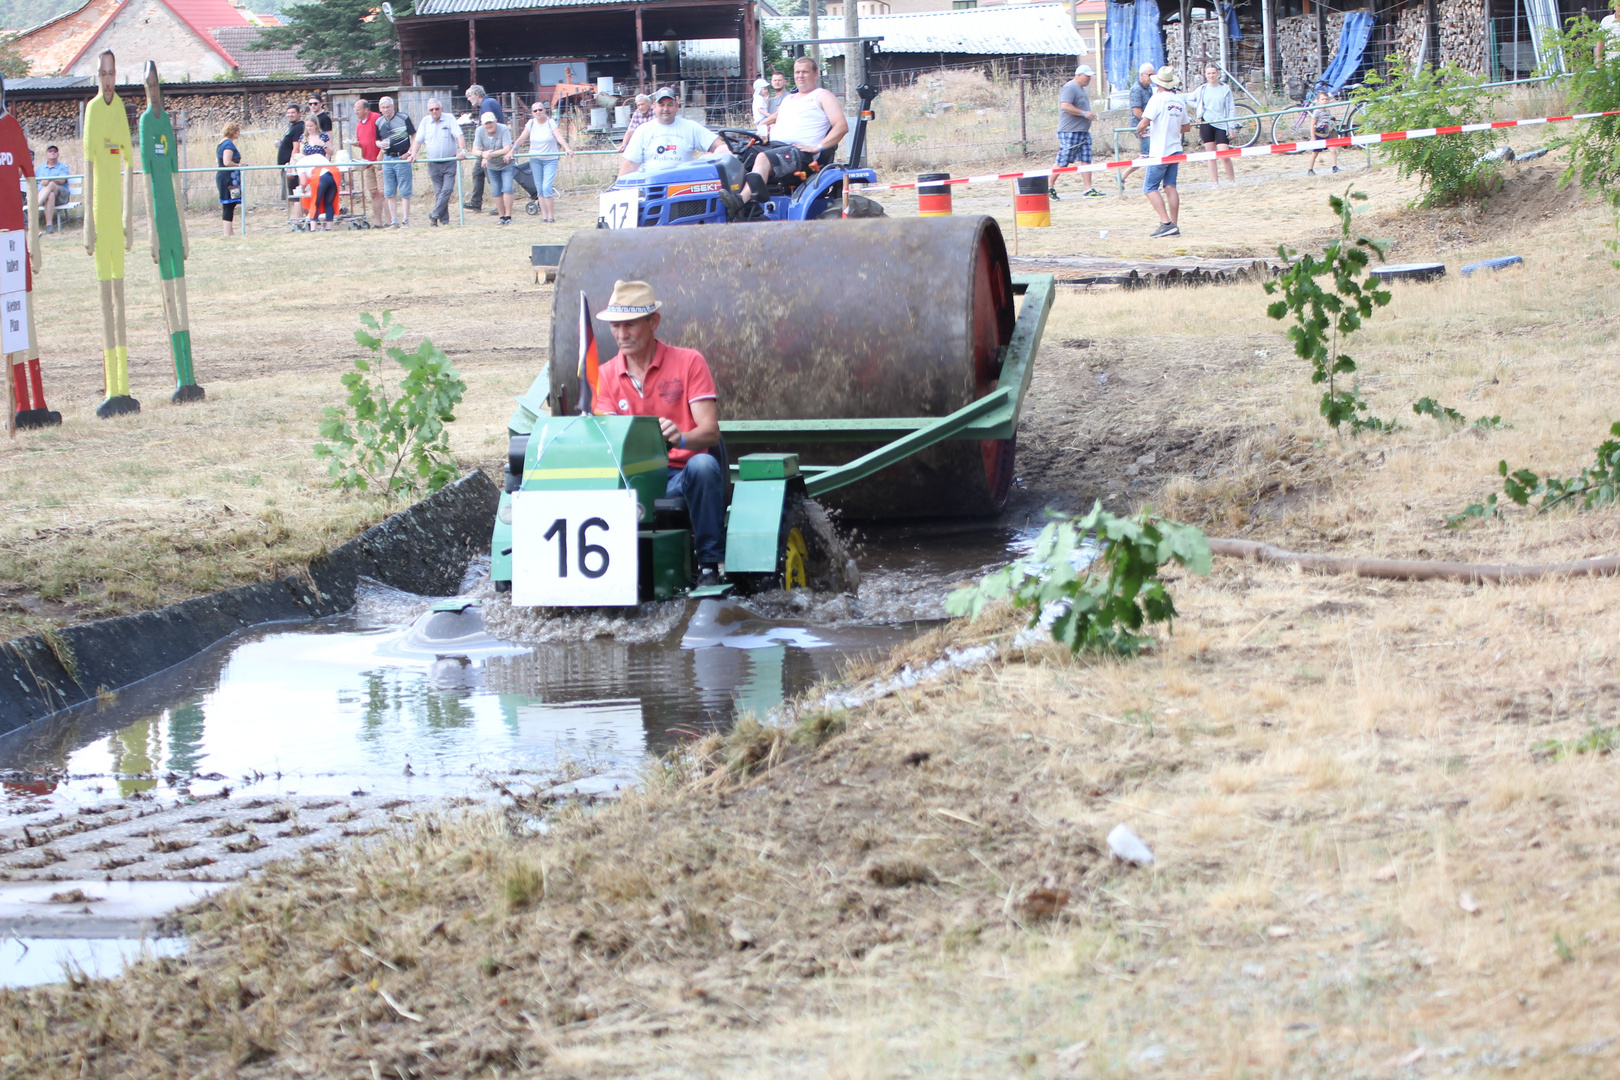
(14,322)
(13,250)
(574,549)
(620,209)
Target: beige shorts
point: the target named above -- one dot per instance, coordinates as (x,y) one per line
(369,177)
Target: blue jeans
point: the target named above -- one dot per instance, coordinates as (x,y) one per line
(1160,176)
(702,484)
(396,178)
(544,170)
(500,179)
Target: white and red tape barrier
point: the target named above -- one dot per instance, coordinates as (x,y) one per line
(1251,151)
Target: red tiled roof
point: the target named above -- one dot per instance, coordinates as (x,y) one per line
(203,15)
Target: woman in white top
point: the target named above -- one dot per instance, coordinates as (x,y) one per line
(1213,101)
(545,140)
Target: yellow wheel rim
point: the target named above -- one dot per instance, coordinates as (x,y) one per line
(793,563)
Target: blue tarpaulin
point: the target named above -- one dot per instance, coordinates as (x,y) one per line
(1352,43)
(1233,30)
(1133,38)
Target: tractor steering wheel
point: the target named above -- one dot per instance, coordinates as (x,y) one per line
(739,141)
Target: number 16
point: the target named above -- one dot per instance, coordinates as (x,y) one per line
(559,529)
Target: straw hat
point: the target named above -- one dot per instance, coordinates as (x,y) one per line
(1166,78)
(631,300)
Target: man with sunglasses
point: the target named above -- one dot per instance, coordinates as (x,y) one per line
(318,107)
(441,138)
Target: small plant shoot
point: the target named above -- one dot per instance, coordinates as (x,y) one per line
(1322,316)
(1447,415)
(1096,579)
(399,444)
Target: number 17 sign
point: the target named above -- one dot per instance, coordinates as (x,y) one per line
(574,549)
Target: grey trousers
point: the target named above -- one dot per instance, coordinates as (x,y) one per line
(443,175)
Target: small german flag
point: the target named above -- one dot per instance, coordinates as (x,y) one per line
(589,363)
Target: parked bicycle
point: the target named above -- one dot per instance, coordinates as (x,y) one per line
(1339,120)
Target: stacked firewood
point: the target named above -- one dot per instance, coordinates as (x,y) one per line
(1298,50)
(1205,43)
(208,113)
(1462,34)
(1409,33)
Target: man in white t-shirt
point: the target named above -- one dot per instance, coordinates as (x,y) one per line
(1163,122)
(667,139)
(1611,30)
(806,127)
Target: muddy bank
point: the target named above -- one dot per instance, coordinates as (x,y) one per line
(423,549)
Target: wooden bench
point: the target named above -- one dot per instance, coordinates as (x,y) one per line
(75,201)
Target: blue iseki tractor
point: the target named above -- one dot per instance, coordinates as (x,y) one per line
(689,193)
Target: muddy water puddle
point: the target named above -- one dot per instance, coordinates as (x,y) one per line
(301,736)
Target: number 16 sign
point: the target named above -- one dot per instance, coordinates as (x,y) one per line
(574,549)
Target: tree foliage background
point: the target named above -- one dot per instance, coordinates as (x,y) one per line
(351,37)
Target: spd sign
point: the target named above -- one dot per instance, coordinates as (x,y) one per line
(574,549)
(620,209)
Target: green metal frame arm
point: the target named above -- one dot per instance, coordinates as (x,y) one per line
(944,428)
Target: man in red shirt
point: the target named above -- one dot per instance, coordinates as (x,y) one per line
(365,134)
(650,378)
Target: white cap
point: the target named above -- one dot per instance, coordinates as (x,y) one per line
(760,84)
(487,118)
(1145,66)
(1084,69)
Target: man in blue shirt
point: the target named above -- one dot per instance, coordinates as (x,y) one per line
(53,184)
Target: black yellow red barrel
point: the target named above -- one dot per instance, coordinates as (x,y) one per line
(933,198)
(1033,202)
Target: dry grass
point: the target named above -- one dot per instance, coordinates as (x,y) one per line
(1379,848)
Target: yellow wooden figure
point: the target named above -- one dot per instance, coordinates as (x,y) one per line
(109,194)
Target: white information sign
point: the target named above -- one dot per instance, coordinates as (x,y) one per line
(574,549)
(14,322)
(620,209)
(13,250)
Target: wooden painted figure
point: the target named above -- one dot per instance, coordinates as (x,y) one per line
(170,244)
(109,195)
(28,396)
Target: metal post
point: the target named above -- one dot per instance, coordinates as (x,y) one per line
(1023,113)
(815,32)
(854,69)
(461,208)
(1268,36)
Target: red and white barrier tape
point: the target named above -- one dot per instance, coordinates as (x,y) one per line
(1250,151)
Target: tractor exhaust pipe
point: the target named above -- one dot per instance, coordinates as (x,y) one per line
(857,145)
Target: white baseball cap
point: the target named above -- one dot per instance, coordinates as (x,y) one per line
(488,118)
(760,84)
(1084,69)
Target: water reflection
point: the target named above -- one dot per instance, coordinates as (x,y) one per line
(332,708)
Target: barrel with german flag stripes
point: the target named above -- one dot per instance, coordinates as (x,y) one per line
(933,199)
(1033,203)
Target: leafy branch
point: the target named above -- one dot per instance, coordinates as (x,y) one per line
(1596,485)
(401,443)
(1096,579)
(1323,317)
(1446,414)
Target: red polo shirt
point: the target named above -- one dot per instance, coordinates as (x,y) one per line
(675,378)
(365,133)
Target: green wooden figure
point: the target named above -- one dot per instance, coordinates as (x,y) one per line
(160,161)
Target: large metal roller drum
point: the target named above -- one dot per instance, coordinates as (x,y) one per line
(823,320)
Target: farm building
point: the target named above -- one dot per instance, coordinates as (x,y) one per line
(180,35)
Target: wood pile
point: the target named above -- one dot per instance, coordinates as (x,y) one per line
(1206,42)
(1143,274)
(1462,34)
(1299,53)
(207,113)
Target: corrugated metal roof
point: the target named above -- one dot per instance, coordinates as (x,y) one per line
(1013,30)
(475,7)
(49,82)
(479,7)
